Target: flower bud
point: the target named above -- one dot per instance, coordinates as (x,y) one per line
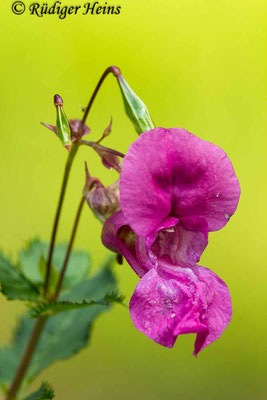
(109,160)
(135,108)
(103,201)
(90,182)
(63,128)
(107,131)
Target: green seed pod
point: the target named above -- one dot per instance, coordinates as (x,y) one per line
(63,128)
(135,109)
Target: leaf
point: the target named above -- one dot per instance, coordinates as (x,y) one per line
(45,392)
(64,334)
(4,388)
(14,285)
(30,259)
(56,307)
(11,355)
(54,274)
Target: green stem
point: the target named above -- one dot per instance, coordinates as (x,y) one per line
(26,358)
(115,71)
(68,165)
(40,322)
(67,256)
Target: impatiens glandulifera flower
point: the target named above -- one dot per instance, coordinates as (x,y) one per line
(103,201)
(174,189)
(135,109)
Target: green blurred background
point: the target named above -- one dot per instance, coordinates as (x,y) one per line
(199,65)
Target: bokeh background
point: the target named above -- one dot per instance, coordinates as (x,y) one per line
(197,64)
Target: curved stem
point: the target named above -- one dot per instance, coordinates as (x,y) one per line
(115,71)
(26,358)
(69,162)
(67,256)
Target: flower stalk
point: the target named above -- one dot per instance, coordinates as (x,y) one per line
(72,153)
(26,358)
(67,256)
(40,322)
(115,71)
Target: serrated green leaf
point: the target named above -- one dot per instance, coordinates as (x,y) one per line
(14,285)
(56,307)
(78,266)
(64,334)
(45,392)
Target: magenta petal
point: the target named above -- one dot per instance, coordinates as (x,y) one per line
(118,237)
(219,311)
(172,172)
(143,244)
(179,246)
(178,301)
(174,245)
(161,303)
(145,193)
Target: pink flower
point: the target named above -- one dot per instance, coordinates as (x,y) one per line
(174,189)
(172,173)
